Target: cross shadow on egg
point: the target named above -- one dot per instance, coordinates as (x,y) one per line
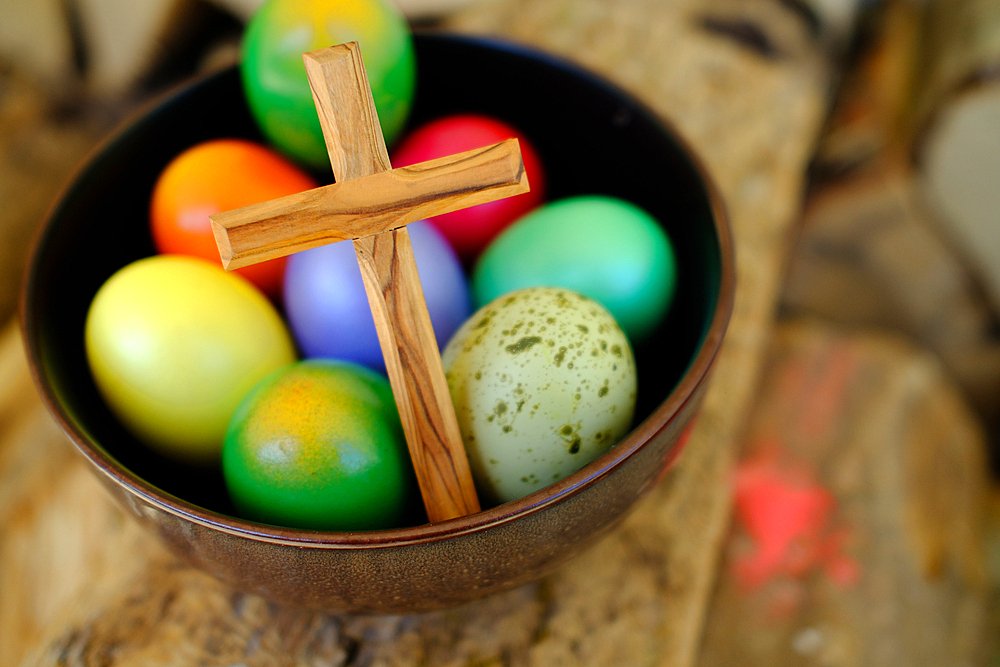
(593,140)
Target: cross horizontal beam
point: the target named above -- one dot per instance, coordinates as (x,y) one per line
(368,205)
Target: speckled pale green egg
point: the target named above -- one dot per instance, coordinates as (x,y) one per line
(544,382)
(319,445)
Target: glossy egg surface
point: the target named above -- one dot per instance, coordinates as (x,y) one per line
(216,176)
(319,445)
(328,309)
(471,229)
(543,381)
(275,81)
(174,343)
(603,247)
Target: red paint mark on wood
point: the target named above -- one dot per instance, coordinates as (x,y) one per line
(789,516)
(824,399)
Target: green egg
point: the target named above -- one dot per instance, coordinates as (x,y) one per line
(319,445)
(274,78)
(603,247)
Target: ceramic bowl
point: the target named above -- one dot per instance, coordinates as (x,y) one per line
(593,138)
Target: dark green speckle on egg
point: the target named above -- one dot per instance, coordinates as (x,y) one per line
(567,396)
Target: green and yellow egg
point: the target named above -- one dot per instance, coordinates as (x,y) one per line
(274,78)
(319,445)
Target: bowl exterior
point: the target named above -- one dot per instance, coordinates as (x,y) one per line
(416,575)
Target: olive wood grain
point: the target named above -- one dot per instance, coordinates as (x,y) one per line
(345,210)
(370,203)
(416,374)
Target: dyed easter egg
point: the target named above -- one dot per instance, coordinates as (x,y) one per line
(471,229)
(217,176)
(274,78)
(327,307)
(544,382)
(319,445)
(603,247)
(174,344)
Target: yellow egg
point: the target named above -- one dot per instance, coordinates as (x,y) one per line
(544,382)
(174,343)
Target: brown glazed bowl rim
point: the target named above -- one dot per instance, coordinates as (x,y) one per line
(658,421)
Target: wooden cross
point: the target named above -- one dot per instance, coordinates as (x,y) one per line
(370,204)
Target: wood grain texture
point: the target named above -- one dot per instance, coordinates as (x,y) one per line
(368,205)
(868,255)
(864,439)
(55,519)
(413,363)
(389,272)
(347,114)
(640,595)
(870,252)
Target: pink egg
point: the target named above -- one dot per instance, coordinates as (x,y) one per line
(470,230)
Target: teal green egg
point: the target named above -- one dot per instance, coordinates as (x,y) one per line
(274,78)
(605,248)
(319,445)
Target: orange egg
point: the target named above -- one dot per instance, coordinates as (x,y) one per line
(216,176)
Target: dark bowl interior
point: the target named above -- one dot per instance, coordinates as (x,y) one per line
(593,139)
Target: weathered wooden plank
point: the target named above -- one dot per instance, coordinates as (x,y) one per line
(867,255)
(861,498)
(638,596)
(871,250)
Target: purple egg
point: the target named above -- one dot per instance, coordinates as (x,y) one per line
(328,310)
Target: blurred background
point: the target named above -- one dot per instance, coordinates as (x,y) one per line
(889,273)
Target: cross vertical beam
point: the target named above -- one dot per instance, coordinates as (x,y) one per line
(356,148)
